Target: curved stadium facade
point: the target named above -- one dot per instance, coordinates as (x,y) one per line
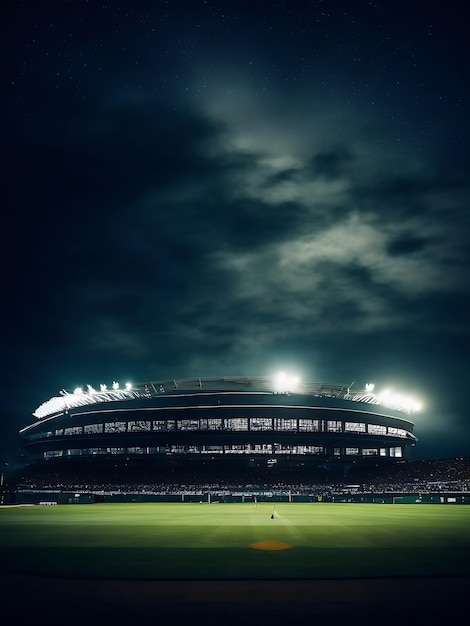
(225,423)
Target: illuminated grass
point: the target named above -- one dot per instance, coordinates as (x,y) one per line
(202,541)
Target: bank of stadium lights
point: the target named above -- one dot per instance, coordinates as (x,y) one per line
(389,399)
(90,390)
(80,397)
(399,401)
(285,383)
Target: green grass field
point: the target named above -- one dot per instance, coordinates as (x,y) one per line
(218,541)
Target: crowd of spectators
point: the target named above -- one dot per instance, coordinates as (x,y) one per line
(433,476)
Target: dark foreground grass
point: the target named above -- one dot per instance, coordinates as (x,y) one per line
(215,541)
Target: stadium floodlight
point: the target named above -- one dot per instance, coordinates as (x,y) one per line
(115,385)
(103,387)
(285,383)
(128,386)
(78,391)
(370,387)
(398,401)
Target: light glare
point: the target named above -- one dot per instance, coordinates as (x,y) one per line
(285,383)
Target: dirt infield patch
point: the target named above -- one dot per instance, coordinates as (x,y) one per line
(271,545)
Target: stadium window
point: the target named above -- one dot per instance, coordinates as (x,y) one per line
(376,429)
(285,424)
(73,452)
(352,451)
(236,423)
(213,449)
(396,432)
(263,448)
(92,428)
(261,423)
(355,427)
(139,425)
(236,449)
(53,454)
(160,450)
(94,451)
(309,426)
(73,430)
(210,424)
(334,426)
(314,449)
(188,425)
(115,427)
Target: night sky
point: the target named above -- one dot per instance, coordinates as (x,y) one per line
(202,188)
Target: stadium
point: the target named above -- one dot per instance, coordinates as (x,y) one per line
(230,499)
(259,427)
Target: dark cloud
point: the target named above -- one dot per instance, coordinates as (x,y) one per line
(407,244)
(333,164)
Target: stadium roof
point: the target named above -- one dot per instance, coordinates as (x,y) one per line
(80,397)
